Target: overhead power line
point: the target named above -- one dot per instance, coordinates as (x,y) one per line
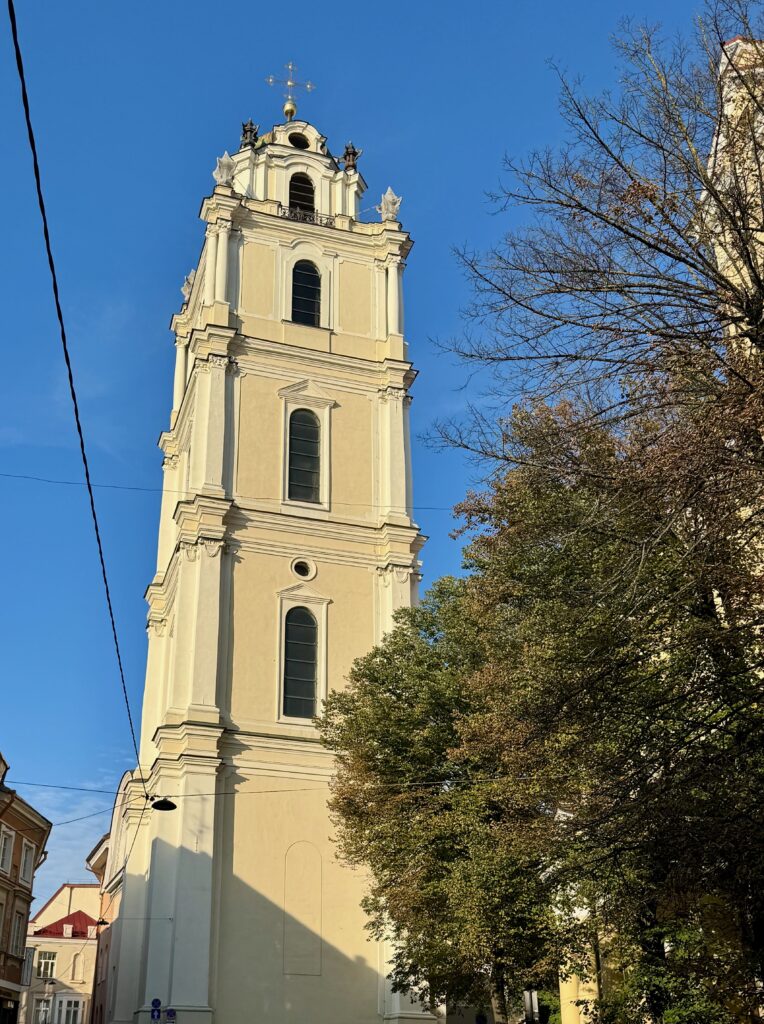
(55,785)
(401,786)
(58,481)
(70,375)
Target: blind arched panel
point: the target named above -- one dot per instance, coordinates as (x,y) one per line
(300,663)
(304,456)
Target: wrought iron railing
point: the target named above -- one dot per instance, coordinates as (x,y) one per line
(306,216)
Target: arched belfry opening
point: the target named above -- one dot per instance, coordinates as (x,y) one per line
(306,294)
(302,195)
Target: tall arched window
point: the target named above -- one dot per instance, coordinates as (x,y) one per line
(306,294)
(302,195)
(304,456)
(300,663)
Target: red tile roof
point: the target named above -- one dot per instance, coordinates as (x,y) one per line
(79,920)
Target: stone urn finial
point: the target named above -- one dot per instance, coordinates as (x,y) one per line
(389,205)
(223,173)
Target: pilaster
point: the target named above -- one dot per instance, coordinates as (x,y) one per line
(178,953)
(396,500)
(200,555)
(127,944)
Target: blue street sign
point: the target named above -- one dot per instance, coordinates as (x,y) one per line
(170,1013)
(156,1013)
(156,1003)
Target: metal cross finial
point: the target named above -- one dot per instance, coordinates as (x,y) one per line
(291,83)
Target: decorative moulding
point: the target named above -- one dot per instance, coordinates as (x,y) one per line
(302,592)
(308,390)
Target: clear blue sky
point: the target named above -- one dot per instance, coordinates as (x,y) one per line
(131,105)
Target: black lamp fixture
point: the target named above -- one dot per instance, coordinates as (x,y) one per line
(162,803)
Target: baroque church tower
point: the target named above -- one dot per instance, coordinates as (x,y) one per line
(286,542)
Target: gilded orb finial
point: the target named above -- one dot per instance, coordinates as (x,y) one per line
(291,83)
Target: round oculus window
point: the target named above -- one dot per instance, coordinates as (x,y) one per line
(303,568)
(299,141)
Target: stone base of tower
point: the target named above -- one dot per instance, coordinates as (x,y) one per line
(292,943)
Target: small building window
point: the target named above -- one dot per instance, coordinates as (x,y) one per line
(46,964)
(18,933)
(27,862)
(6,850)
(300,663)
(42,1014)
(306,294)
(302,195)
(304,456)
(70,1011)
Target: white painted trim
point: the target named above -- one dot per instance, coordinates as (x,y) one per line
(309,563)
(303,167)
(304,250)
(307,395)
(303,596)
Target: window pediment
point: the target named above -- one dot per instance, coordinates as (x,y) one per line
(302,592)
(308,393)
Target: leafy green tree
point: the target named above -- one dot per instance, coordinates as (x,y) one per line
(559,761)
(539,740)
(624,543)
(624,695)
(454,881)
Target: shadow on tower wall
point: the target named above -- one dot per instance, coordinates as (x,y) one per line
(265,964)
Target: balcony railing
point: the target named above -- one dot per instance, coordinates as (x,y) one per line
(306,216)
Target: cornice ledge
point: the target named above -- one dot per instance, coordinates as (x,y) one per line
(208,510)
(168,442)
(251,347)
(400,372)
(219,205)
(212,340)
(189,741)
(402,533)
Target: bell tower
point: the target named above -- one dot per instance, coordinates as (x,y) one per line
(286,542)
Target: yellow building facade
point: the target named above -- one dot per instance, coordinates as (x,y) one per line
(62,939)
(286,542)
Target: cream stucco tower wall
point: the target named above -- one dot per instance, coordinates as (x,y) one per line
(234,906)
